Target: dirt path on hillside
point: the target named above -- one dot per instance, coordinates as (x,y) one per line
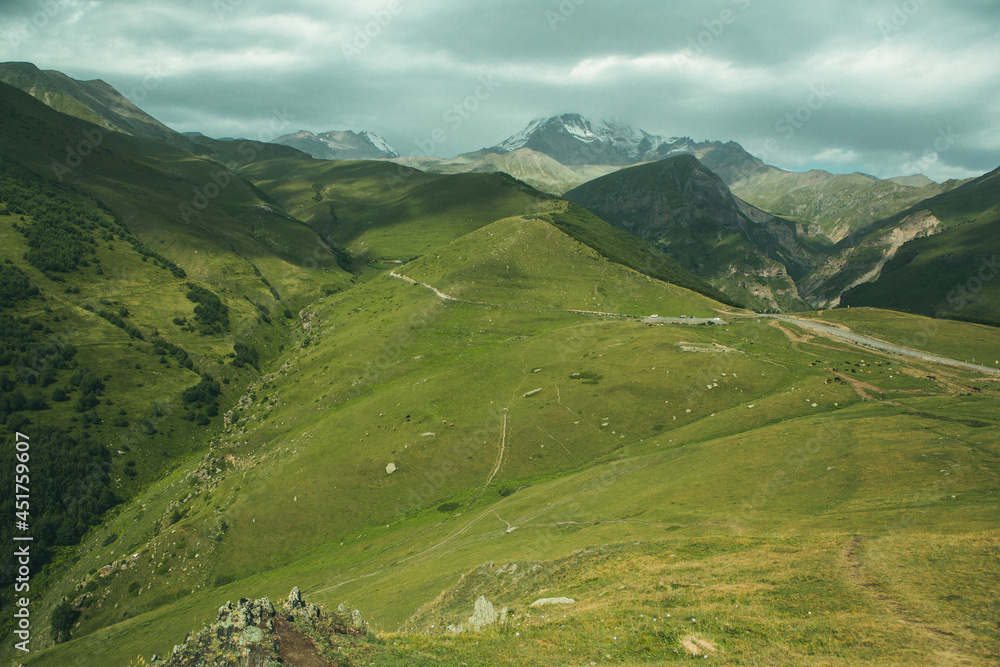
(859,576)
(298,648)
(446,297)
(503,447)
(880,345)
(859,387)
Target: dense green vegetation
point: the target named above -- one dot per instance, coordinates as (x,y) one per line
(74,485)
(14,286)
(210,312)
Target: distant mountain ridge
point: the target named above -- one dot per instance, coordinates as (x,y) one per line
(94,101)
(99,103)
(834,205)
(340,145)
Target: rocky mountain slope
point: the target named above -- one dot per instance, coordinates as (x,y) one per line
(94,101)
(99,103)
(835,205)
(687,211)
(939,258)
(573,139)
(254,632)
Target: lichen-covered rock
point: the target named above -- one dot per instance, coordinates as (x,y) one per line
(251,632)
(243,631)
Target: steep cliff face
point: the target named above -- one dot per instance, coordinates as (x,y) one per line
(863,263)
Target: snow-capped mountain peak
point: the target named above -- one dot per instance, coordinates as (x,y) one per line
(575,139)
(340,145)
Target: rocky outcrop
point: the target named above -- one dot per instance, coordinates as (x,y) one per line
(254,630)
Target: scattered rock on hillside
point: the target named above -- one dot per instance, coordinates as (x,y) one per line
(391,468)
(483,615)
(545,601)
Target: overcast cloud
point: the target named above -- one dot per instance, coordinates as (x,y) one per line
(888,87)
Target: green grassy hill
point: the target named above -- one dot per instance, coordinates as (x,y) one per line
(384,211)
(530,263)
(215,225)
(127,328)
(98,103)
(93,101)
(113,359)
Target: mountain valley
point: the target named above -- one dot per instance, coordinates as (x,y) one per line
(521,406)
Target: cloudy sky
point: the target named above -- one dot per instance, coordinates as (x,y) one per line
(887,87)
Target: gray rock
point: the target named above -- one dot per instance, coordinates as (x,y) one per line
(482,615)
(544,601)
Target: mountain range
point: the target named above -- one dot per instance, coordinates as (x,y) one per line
(812,258)
(474,422)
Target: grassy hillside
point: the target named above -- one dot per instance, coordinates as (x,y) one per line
(484,414)
(128,326)
(832,205)
(724,474)
(93,101)
(383,211)
(113,360)
(536,169)
(529,263)
(218,227)
(950,272)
